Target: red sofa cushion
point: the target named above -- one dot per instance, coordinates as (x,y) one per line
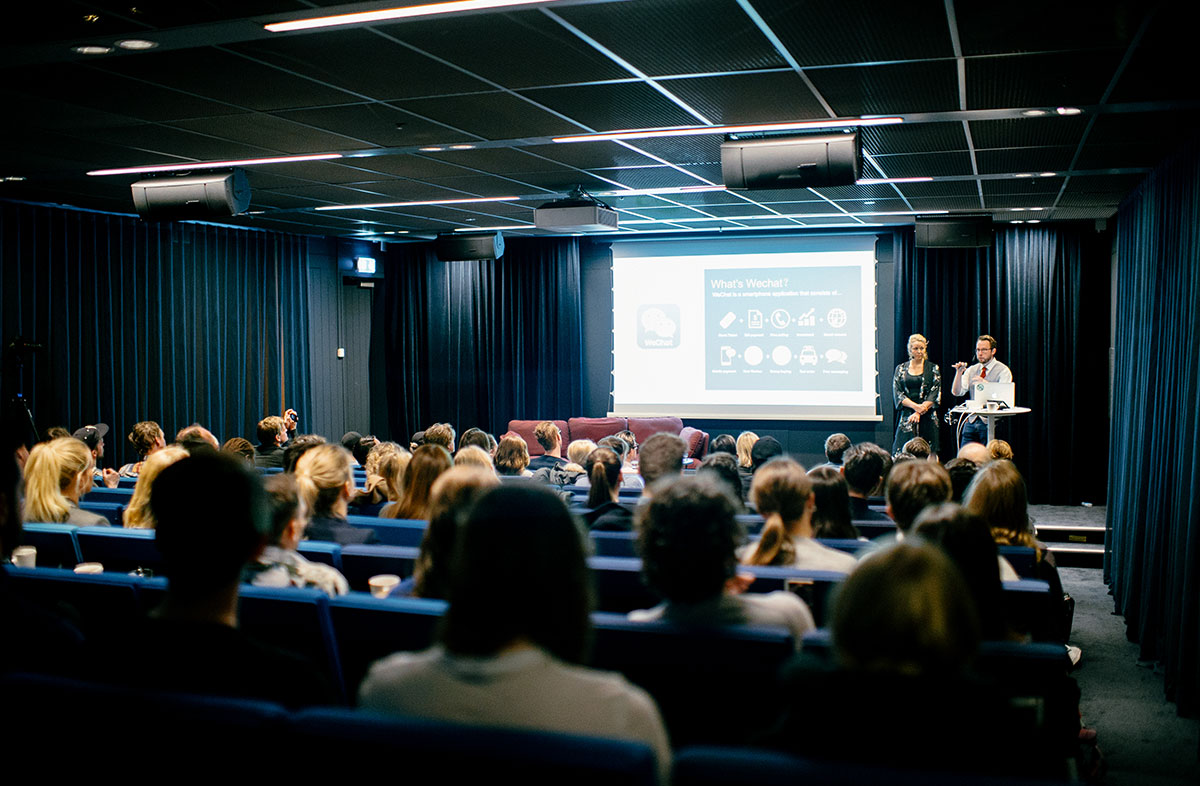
(525,429)
(644,428)
(595,428)
(697,442)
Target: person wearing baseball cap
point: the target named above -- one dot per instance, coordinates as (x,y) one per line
(93,437)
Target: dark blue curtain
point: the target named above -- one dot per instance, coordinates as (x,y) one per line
(172,322)
(1043,293)
(479,343)
(1153,555)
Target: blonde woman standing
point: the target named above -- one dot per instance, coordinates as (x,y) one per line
(917,389)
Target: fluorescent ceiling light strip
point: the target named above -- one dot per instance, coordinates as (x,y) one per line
(652,133)
(657,191)
(134,170)
(369,205)
(799,216)
(495,229)
(401,12)
(870,181)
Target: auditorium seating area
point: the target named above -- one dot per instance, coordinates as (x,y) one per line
(597,428)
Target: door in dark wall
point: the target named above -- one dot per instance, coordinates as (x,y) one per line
(340,319)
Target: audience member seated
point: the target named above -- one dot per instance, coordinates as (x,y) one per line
(723,443)
(418,439)
(999,449)
(428,462)
(918,448)
(326,482)
(630,479)
(146,437)
(93,437)
(831,519)
(864,466)
(473,456)
(298,447)
(550,438)
(272,435)
(661,457)
(765,449)
(279,564)
(974,451)
(603,468)
(724,468)
(967,541)
(961,472)
(905,633)
(212,519)
(512,457)
(479,438)
(379,488)
(196,439)
(441,434)
(350,440)
(912,486)
(240,447)
(688,536)
(515,634)
(454,492)
(997,495)
(782,493)
(745,442)
(567,474)
(362,450)
(57,474)
(835,449)
(137,513)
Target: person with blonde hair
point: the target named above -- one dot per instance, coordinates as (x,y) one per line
(326,482)
(512,457)
(550,437)
(428,461)
(999,449)
(473,456)
(146,437)
(381,486)
(917,390)
(783,494)
(57,474)
(137,514)
(745,444)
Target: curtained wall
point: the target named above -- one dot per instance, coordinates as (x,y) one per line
(481,342)
(172,322)
(1043,293)
(1153,557)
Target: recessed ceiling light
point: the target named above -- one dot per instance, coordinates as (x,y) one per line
(371,205)
(1023,174)
(1016,222)
(1034,221)
(134,170)
(1016,209)
(1037,208)
(136,44)
(462,147)
(402,12)
(652,133)
(1068,110)
(92,50)
(869,203)
(91,19)
(1048,174)
(1034,112)
(432,149)
(14,178)
(870,181)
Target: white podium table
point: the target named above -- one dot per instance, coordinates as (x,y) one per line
(990,416)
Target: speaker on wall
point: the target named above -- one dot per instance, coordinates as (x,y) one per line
(192,196)
(953,231)
(453,248)
(807,161)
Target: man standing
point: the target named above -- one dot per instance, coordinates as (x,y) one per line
(988,369)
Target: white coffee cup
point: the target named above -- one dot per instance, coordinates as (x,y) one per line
(89,567)
(992,406)
(24,556)
(383,584)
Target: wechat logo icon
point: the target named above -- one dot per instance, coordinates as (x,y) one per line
(658,326)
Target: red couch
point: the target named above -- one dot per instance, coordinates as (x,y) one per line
(595,428)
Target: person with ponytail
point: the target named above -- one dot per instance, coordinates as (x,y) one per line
(57,474)
(603,468)
(326,482)
(782,493)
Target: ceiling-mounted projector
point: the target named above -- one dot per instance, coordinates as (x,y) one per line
(577,213)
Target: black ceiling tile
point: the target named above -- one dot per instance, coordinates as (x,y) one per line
(1029,132)
(1076,213)
(880,205)
(592,155)
(665,213)
(819,207)
(827,32)
(561,181)
(496,161)
(409,191)
(1071,79)
(706,174)
(899,88)
(1024,159)
(612,107)
(270,133)
(1031,187)
(957,204)
(489,116)
(487,185)
(914,138)
(312,171)
(954,188)
(649,177)
(1037,26)
(948,164)
(363,62)
(635,202)
(710,198)
(772,195)
(1163,55)
(1126,156)
(700,149)
(178,145)
(749,98)
(406,166)
(868,191)
(705,35)
(211,73)
(522,49)
(376,124)
(744,209)
(838,219)
(283,200)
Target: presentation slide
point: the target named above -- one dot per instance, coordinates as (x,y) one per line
(781,329)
